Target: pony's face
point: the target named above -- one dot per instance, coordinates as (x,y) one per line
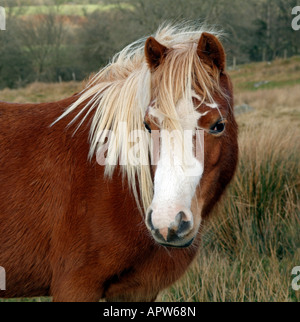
(193,165)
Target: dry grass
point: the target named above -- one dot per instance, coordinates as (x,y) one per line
(279,104)
(277,74)
(40,92)
(252,241)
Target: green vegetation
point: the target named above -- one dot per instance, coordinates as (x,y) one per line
(61,40)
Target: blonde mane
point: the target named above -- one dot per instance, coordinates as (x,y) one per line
(123,90)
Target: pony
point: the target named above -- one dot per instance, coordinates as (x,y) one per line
(95,200)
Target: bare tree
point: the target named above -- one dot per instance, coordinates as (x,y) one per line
(42,39)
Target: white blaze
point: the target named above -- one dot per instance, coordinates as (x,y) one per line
(178,170)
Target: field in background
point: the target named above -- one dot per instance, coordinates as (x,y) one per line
(252,241)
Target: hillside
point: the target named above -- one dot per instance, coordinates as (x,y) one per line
(249,80)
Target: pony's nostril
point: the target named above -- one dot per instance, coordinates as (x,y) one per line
(169,234)
(149,219)
(182,223)
(178,218)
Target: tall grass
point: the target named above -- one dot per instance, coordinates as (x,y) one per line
(252,242)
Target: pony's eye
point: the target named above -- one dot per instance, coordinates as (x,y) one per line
(218,127)
(147,127)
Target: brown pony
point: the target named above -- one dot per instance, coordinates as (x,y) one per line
(92,205)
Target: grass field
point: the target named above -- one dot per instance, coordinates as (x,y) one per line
(252,241)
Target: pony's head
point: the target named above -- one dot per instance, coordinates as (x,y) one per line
(190,92)
(173,85)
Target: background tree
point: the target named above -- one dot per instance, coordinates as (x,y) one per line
(44,41)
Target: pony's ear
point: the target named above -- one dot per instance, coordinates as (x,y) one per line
(154,52)
(211,51)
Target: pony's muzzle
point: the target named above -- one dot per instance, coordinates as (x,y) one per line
(176,234)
